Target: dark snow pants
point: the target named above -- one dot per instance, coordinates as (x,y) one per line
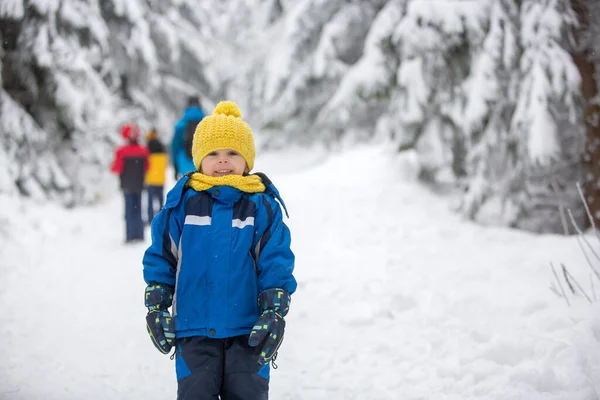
(155,197)
(208,368)
(134,226)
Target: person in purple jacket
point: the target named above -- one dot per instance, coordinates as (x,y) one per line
(220,258)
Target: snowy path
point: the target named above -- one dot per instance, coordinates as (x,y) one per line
(398,298)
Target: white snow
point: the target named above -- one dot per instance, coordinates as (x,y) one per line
(398,298)
(12,9)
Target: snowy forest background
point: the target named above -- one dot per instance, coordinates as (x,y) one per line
(497,99)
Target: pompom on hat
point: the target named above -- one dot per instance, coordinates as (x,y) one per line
(224,129)
(130,132)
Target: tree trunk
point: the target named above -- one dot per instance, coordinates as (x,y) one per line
(582,57)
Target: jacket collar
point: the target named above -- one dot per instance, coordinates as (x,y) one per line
(174,196)
(223,194)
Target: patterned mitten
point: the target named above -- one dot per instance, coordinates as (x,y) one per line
(267,333)
(159,323)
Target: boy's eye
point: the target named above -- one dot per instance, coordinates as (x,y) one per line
(212,153)
(233,153)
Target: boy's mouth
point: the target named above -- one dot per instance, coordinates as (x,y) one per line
(224,171)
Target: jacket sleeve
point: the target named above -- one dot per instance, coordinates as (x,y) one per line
(271,248)
(117,164)
(161,258)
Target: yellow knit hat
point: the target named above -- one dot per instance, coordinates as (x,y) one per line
(224,129)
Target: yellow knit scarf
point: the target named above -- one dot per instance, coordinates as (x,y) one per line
(248,184)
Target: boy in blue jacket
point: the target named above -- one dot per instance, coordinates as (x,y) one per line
(220,258)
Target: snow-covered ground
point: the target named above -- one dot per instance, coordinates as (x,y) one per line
(398,298)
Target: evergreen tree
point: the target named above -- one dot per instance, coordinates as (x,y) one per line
(546,124)
(316,43)
(524,130)
(484,92)
(363,95)
(490,94)
(74,70)
(586,56)
(436,40)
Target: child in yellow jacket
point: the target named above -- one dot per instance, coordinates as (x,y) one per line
(156,175)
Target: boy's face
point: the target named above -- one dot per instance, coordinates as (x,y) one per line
(223,162)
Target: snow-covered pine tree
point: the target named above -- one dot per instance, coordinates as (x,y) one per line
(490,92)
(74,70)
(586,56)
(436,40)
(315,44)
(29,165)
(363,94)
(546,131)
(305,71)
(522,119)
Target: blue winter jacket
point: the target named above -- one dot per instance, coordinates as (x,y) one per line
(180,158)
(219,248)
